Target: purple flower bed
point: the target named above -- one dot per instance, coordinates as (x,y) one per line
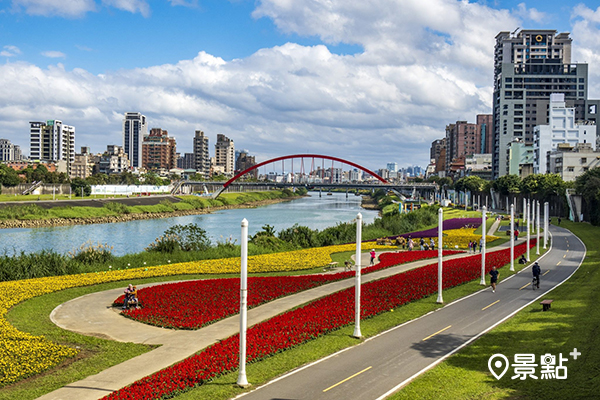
(454,223)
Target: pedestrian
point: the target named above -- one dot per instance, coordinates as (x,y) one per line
(516,234)
(559,220)
(494,278)
(431,244)
(517,224)
(372,253)
(422,243)
(480,244)
(411,244)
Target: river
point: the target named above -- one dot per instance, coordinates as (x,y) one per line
(134,236)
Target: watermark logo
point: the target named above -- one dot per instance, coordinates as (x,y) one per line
(525,366)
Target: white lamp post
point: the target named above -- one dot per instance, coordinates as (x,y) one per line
(528,207)
(357,333)
(512,237)
(242,380)
(483,232)
(546,214)
(537,232)
(440,299)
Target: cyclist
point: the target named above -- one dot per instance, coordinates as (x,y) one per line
(536,270)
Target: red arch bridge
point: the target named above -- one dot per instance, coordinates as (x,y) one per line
(313,171)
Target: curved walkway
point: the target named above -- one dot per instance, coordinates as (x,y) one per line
(92,315)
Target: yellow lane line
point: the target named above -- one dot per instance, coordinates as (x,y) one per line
(567,249)
(524,286)
(545,272)
(486,307)
(347,379)
(559,263)
(565,256)
(440,331)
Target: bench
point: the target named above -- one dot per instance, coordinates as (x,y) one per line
(546,304)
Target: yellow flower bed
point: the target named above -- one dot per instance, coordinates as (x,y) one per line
(22,354)
(461,238)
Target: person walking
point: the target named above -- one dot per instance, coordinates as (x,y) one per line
(494,278)
(480,244)
(558,220)
(411,244)
(431,244)
(536,270)
(372,253)
(422,243)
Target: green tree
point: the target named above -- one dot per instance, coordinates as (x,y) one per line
(507,184)
(472,183)
(79,186)
(8,176)
(588,185)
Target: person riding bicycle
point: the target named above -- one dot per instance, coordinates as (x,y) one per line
(536,270)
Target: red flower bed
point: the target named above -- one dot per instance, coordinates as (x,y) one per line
(194,304)
(303,324)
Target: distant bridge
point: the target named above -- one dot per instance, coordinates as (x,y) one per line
(315,177)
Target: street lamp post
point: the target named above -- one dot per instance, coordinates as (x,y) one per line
(537,231)
(512,237)
(242,380)
(483,232)
(440,299)
(546,207)
(528,207)
(357,333)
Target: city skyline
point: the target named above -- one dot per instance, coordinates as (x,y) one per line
(276,77)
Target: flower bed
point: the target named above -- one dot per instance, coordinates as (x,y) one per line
(22,354)
(308,322)
(454,223)
(191,305)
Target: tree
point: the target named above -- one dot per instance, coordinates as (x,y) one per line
(507,184)
(8,176)
(588,185)
(79,185)
(472,183)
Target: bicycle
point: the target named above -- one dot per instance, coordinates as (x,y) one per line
(535,283)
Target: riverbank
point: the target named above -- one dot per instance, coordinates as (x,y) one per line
(33,216)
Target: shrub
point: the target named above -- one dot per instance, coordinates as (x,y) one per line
(188,237)
(117,207)
(89,253)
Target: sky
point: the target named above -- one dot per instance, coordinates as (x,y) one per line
(370,81)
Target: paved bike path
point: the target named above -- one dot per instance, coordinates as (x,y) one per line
(381,365)
(92,315)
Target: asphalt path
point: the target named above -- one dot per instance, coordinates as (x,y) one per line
(383,364)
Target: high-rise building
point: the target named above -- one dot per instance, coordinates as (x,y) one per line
(201,154)
(436,148)
(52,141)
(225,154)
(392,167)
(9,151)
(186,161)
(528,67)
(83,165)
(464,139)
(244,161)
(562,128)
(134,132)
(158,150)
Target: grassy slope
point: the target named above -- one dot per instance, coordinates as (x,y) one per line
(573,322)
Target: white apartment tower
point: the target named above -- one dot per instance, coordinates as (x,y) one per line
(135,130)
(562,128)
(225,154)
(201,154)
(53,142)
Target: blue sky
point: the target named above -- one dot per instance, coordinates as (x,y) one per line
(374,81)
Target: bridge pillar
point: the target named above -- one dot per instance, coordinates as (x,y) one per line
(346,192)
(320,189)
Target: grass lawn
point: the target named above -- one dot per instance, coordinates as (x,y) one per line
(573,323)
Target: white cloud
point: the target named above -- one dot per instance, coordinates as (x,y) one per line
(530,13)
(10,51)
(425,64)
(184,3)
(53,54)
(133,6)
(64,8)
(83,48)
(586,47)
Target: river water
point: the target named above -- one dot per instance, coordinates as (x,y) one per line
(134,236)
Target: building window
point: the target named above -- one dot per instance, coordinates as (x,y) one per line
(584,160)
(570,169)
